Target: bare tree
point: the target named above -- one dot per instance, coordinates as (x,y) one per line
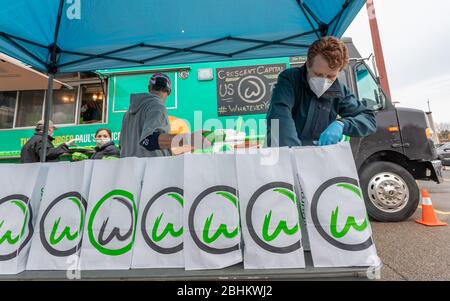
(442,127)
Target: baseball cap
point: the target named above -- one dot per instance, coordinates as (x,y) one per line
(161,80)
(40,125)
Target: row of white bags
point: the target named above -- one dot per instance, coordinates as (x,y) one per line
(193,211)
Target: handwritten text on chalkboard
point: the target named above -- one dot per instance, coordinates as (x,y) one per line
(246,90)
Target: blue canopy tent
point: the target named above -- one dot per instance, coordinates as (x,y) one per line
(58,36)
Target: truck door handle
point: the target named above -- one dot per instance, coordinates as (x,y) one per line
(398,145)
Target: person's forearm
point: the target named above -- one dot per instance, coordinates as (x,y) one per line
(55,152)
(160,141)
(361,125)
(281,130)
(165,141)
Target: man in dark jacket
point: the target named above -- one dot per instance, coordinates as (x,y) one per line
(32,150)
(311,107)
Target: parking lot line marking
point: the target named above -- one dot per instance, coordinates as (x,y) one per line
(438,211)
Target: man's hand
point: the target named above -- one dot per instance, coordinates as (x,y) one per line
(332,134)
(184,143)
(195,140)
(181,150)
(71,142)
(201,139)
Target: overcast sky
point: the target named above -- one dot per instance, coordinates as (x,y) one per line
(416,41)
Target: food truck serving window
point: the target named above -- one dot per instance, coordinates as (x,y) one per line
(23,109)
(64,105)
(92,104)
(7,108)
(30,108)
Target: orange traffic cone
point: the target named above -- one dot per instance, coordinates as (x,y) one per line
(428,215)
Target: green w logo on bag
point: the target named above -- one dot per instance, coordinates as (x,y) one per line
(282,226)
(8,236)
(16,226)
(65,233)
(215,231)
(223,228)
(113,235)
(168,229)
(338,214)
(162,221)
(280,231)
(351,221)
(65,217)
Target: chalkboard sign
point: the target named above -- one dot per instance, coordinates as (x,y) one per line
(246,90)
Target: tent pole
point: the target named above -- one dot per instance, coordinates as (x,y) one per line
(47,110)
(52,69)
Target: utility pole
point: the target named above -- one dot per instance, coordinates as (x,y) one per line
(431,123)
(376,40)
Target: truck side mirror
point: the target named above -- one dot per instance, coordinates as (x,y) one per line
(378,80)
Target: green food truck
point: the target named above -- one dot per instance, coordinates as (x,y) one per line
(204,96)
(233,96)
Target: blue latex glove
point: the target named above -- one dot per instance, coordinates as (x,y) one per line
(333,134)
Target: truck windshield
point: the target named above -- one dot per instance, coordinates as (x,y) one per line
(368,90)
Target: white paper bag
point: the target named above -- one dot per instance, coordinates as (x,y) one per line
(20,194)
(59,227)
(338,227)
(269,210)
(211,216)
(159,237)
(303,206)
(111,218)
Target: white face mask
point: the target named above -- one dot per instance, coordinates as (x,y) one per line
(320,85)
(102,141)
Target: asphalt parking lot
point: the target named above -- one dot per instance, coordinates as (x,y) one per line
(410,251)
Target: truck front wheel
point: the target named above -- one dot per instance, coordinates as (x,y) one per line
(391,194)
